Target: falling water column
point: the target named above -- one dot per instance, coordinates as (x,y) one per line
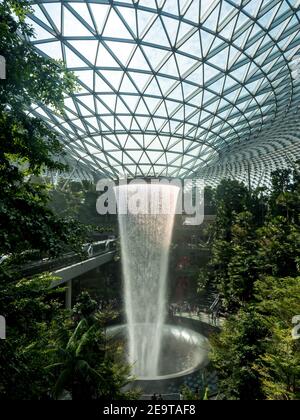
(145,245)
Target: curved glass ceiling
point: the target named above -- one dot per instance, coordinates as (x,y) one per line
(174,87)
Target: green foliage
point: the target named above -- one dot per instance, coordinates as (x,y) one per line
(189,395)
(29,307)
(284,197)
(278,247)
(210,201)
(232,198)
(30,77)
(57,353)
(255,267)
(87,363)
(78,200)
(85,306)
(241,268)
(38,328)
(235,352)
(278,300)
(28,145)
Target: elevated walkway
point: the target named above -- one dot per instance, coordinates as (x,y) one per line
(99,253)
(70,265)
(70,272)
(203,317)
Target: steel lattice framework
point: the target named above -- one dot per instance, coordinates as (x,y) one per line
(175,87)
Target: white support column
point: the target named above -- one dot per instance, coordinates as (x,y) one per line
(2,328)
(69,295)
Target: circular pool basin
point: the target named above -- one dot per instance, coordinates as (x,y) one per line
(183,352)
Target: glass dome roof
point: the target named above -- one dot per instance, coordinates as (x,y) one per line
(175,87)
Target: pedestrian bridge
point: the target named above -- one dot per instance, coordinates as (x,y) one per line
(99,254)
(67,274)
(71,265)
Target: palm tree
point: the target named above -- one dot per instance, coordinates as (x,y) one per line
(79,362)
(90,365)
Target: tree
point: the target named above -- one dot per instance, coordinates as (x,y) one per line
(242,268)
(231,197)
(189,395)
(30,307)
(284,199)
(255,266)
(78,201)
(278,247)
(78,358)
(232,268)
(235,352)
(87,363)
(278,300)
(28,145)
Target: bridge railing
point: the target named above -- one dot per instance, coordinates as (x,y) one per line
(90,250)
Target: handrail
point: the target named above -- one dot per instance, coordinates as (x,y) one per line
(47,264)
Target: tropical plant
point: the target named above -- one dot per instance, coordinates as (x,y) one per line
(255,267)
(89,364)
